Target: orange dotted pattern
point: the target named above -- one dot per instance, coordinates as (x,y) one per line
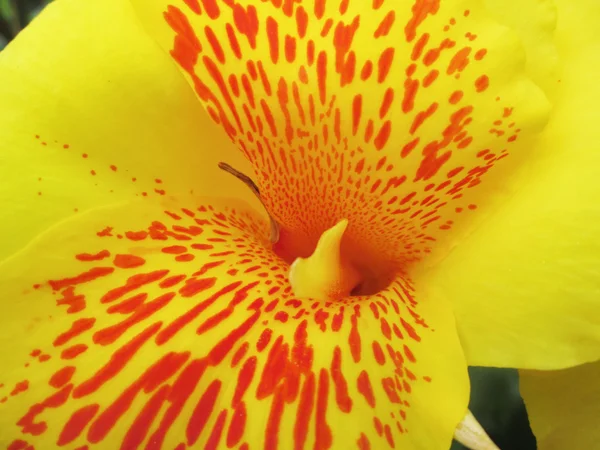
(210,322)
(380,112)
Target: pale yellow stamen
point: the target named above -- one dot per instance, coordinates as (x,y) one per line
(472,435)
(325,275)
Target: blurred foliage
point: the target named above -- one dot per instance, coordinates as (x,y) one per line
(497,405)
(15,15)
(495,399)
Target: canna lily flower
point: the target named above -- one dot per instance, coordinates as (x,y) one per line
(419,193)
(563,406)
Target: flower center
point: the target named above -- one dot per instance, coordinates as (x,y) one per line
(331,272)
(336,268)
(327,274)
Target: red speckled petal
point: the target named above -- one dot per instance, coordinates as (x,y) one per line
(525,286)
(174,326)
(92,115)
(391,114)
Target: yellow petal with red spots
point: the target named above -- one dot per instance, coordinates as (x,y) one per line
(563,406)
(94,114)
(525,285)
(173,325)
(392,114)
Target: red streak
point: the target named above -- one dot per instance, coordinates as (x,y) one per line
(264,339)
(178,324)
(319,8)
(410,330)
(322,76)
(420,10)
(193,5)
(19,444)
(110,334)
(117,362)
(139,428)
(128,305)
(383,135)
(385,64)
(202,412)
(180,392)
(193,286)
(356,112)
(77,423)
(274,369)
(237,357)
(388,435)
(62,377)
(482,83)
(390,390)
(215,436)
(90,275)
(363,385)
(216,319)
(134,282)
(422,116)
(174,249)
(74,351)
(244,379)
(172,281)
(272,428)
(21,386)
(93,256)
(237,425)
(363,442)
(323,438)
(342,398)
(354,337)
(233,42)
(128,261)
(290,48)
(154,376)
(214,43)
(219,351)
(410,91)
(304,412)
(77,327)
(273,37)
(76,302)
(301,21)
(338,319)
(54,401)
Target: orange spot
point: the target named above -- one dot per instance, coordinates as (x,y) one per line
(480,54)
(410,91)
(420,10)
(419,46)
(128,261)
(455,97)
(385,63)
(482,83)
(459,61)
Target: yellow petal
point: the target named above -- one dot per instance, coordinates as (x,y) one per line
(173,325)
(525,285)
(563,406)
(534,22)
(92,114)
(399,135)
